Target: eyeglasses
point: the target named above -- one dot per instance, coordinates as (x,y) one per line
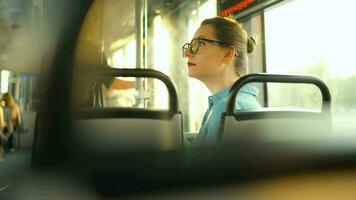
(194,45)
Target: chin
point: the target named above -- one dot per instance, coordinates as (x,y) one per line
(192,74)
(195,76)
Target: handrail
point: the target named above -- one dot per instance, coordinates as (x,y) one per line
(278,78)
(107,72)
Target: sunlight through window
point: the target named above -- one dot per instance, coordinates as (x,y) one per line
(314,38)
(4,81)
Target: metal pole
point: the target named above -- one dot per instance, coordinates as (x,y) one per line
(139,32)
(139,37)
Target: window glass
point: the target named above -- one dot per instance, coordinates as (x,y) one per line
(109,38)
(172,26)
(313,38)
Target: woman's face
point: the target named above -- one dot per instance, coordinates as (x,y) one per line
(207,62)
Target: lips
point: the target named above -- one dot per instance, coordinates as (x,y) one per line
(190,64)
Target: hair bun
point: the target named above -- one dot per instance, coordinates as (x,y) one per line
(251,44)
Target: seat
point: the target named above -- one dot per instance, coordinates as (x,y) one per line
(275,125)
(129,129)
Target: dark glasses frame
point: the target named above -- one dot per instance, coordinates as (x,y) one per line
(188,46)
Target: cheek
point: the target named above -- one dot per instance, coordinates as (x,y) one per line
(210,61)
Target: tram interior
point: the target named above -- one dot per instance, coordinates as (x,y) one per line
(108,110)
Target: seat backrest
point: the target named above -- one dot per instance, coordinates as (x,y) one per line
(275,124)
(130,129)
(110,130)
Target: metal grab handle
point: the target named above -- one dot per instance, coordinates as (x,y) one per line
(278,78)
(107,72)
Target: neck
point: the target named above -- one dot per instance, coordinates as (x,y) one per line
(219,83)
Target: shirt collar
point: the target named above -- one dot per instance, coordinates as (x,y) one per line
(215,98)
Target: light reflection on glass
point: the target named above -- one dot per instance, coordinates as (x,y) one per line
(4,80)
(161,56)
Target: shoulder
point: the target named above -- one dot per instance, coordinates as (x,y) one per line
(246,98)
(249,90)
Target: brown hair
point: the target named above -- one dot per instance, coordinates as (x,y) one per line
(231,33)
(9,99)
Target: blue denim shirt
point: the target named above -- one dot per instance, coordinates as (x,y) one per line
(246,99)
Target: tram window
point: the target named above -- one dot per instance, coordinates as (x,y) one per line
(102,41)
(294,96)
(165,27)
(315,38)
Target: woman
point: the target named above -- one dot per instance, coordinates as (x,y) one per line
(217,56)
(12,118)
(3,138)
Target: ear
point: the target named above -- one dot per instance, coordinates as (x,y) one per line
(229,54)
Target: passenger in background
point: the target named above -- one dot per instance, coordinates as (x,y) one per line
(3,138)
(90,56)
(217,56)
(12,120)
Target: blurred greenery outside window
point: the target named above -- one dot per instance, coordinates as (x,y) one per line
(299,41)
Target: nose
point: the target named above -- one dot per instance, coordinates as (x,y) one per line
(187,53)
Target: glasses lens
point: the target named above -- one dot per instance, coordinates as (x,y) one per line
(195,45)
(185,48)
